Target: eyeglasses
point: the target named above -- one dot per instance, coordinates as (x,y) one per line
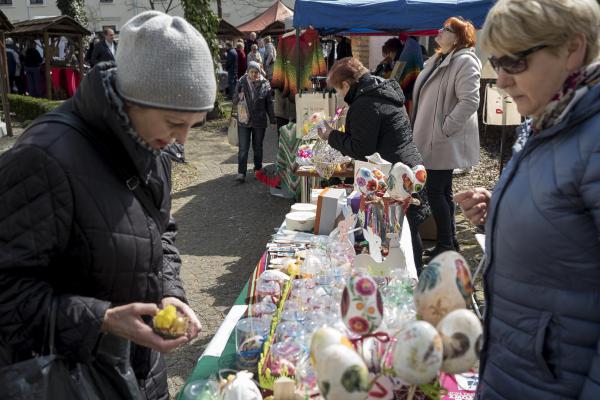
(446,28)
(516,63)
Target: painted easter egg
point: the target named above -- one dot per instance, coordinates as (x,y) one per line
(342,374)
(420,174)
(362,306)
(400,181)
(381,179)
(415,355)
(366,181)
(372,350)
(323,338)
(461,333)
(444,286)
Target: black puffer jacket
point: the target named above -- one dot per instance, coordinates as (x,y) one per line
(376,122)
(72,231)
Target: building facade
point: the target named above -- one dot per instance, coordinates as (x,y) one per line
(114,13)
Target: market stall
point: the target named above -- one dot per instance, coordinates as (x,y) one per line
(333,310)
(269,22)
(60,75)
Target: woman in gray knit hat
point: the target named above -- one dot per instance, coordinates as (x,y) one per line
(85,212)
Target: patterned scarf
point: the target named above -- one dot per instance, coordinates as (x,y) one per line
(574,88)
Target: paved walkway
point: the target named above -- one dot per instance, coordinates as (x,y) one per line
(223,229)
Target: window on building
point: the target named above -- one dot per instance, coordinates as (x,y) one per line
(6,2)
(36,2)
(106,1)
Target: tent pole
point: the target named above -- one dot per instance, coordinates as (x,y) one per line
(4,87)
(298,62)
(48,66)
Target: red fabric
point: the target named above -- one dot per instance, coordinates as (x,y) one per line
(67,79)
(241,62)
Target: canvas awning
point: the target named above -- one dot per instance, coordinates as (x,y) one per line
(371,16)
(60,25)
(271,21)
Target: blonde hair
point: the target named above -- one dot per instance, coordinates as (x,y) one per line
(516,25)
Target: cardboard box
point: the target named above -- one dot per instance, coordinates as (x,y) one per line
(328,210)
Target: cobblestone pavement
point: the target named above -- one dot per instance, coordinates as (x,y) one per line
(223,229)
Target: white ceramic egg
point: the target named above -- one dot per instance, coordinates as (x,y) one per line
(324,337)
(415,356)
(362,306)
(365,180)
(461,336)
(420,174)
(400,181)
(342,374)
(444,285)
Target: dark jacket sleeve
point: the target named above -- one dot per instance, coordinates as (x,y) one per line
(36,209)
(360,139)
(172,286)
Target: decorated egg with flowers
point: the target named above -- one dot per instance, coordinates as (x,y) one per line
(400,182)
(381,179)
(323,338)
(415,354)
(362,305)
(420,174)
(444,286)
(367,182)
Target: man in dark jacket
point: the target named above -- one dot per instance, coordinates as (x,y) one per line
(376,122)
(231,66)
(104,50)
(76,233)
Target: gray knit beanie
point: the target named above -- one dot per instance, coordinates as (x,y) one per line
(253,65)
(164,62)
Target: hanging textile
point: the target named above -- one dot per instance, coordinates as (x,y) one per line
(412,56)
(286,64)
(286,156)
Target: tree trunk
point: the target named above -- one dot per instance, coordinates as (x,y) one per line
(219,9)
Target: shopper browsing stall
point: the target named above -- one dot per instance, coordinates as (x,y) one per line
(253,98)
(542,272)
(86,216)
(444,120)
(376,122)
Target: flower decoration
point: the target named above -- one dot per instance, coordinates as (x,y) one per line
(359,325)
(365,286)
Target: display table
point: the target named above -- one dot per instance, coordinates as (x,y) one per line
(309,179)
(220,352)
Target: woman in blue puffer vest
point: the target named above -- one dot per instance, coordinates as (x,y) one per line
(542,273)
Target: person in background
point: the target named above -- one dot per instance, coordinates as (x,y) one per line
(254,55)
(390,51)
(270,57)
(444,119)
(541,334)
(104,50)
(344,47)
(80,237)
(13,59)
(90,49)
(376,122)
(249,42)
(231,66)
(33,69)
(256,91)
(241,59)
(261,47)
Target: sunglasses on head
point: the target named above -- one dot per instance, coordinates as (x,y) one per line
(515,64)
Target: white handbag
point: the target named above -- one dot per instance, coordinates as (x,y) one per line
(232,131)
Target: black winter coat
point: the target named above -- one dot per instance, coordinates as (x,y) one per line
(376,122)
(72,231)
(102,53)
(259,106)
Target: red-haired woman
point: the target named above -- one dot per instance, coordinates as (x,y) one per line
(444,119)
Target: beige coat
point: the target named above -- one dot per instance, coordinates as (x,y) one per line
(444,115)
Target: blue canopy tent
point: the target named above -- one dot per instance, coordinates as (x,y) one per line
(372,16)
